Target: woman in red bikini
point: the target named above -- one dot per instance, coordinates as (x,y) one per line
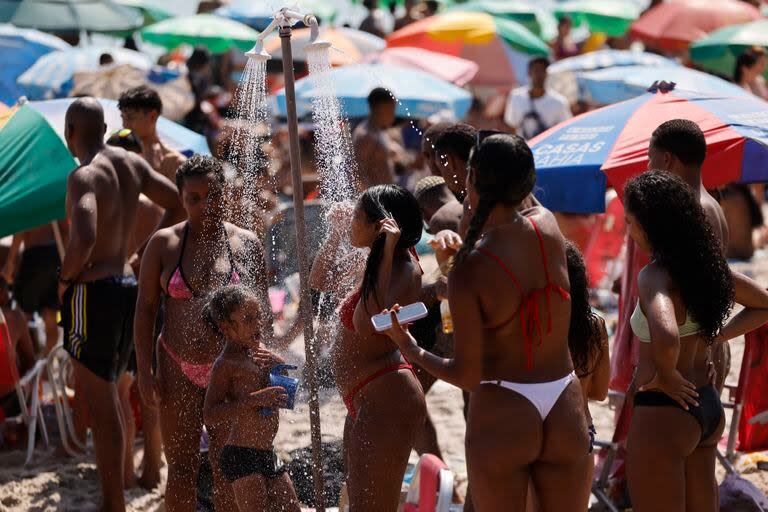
(511,309)
(181,265)
(384,399)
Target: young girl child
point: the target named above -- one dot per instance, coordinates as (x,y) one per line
(237,394)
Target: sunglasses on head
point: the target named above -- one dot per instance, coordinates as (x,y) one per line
(479,138)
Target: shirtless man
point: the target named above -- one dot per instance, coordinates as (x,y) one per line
(439,207)
(96,285)
(140,108)
(678,146)
(34,284)
(375,151)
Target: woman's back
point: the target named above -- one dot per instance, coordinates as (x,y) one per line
(523,295)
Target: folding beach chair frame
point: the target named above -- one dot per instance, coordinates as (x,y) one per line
(57,364)
(31,409)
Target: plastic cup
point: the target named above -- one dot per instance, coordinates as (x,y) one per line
(290,384)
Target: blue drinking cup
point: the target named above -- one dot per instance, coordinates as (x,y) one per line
(289,384)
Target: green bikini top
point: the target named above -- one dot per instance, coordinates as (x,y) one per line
(639,324)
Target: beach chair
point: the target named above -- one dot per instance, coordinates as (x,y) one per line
(431,489)
(27,389)
(58,367)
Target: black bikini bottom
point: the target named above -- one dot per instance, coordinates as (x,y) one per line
(708,413)
(237,462)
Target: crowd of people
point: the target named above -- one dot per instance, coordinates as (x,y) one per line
(159,279)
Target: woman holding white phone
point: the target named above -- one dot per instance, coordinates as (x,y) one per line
(511,309)
(385,401)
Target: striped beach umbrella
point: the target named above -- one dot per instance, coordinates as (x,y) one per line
(492,42)
(577,159)
(51,76)
(34,165)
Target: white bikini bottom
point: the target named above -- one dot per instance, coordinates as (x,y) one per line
(542,395)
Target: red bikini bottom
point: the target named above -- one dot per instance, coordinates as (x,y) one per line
(350,397)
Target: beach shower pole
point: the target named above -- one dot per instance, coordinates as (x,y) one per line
(305,303)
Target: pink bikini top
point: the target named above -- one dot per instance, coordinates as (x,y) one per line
(178,287)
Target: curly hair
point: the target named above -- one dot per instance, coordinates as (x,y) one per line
(585,333)
(683,242)
(501,171)
(140,98)
(200,165)
(223,302)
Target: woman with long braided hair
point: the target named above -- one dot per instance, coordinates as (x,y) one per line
(511,308)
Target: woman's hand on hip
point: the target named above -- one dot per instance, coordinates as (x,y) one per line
(676,386)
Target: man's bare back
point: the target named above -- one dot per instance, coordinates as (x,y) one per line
(110,185)
(163,159)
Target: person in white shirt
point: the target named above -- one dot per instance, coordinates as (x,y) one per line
(533,109)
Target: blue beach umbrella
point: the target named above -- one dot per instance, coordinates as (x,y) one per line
(174,135)
(258,14)
(419,94)
(577,159)
(612,85)
(51,76)
(602,59)
(20,49)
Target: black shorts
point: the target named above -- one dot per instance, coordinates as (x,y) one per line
(238,462)
(37,283)
(97,318)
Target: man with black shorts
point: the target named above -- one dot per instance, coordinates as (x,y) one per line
(97,287)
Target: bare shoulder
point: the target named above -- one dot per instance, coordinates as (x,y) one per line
(172,159)
(464,275)
(167,236)
(653,278)
(241,239)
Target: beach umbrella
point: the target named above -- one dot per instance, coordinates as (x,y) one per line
(153,11)
(452,69)
(110,82)
(218,34)
(538,20)
(562,76)
(348,45)
(174,135)
(419,94)
(34,164)
(51,76)
(20,49)
(258,14)
(612,85)
(718,51)
(577,159)
(675,24)
(70,15)
(612,17)
(491,42)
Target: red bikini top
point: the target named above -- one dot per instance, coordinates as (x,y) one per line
(348,306)
(529,305)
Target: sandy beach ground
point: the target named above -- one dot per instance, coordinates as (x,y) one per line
(50,484)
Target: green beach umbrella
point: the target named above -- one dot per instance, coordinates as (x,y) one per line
(612,17)
(214,32)
(70,15)
(34,165)
(718,50)
(539,21)
(152,10)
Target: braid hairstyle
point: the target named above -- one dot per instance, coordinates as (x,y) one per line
(683,242)
(382,202)
(502,172)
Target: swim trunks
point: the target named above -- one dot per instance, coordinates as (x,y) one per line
(97,317)
(36,283)
(238,462)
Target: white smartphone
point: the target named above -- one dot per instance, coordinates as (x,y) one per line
(407,314)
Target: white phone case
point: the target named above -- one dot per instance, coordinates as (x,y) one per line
(406,315)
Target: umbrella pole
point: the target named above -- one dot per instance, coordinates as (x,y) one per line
(59,240)
(305,304)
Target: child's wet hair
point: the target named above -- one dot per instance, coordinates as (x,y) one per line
(223,302)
